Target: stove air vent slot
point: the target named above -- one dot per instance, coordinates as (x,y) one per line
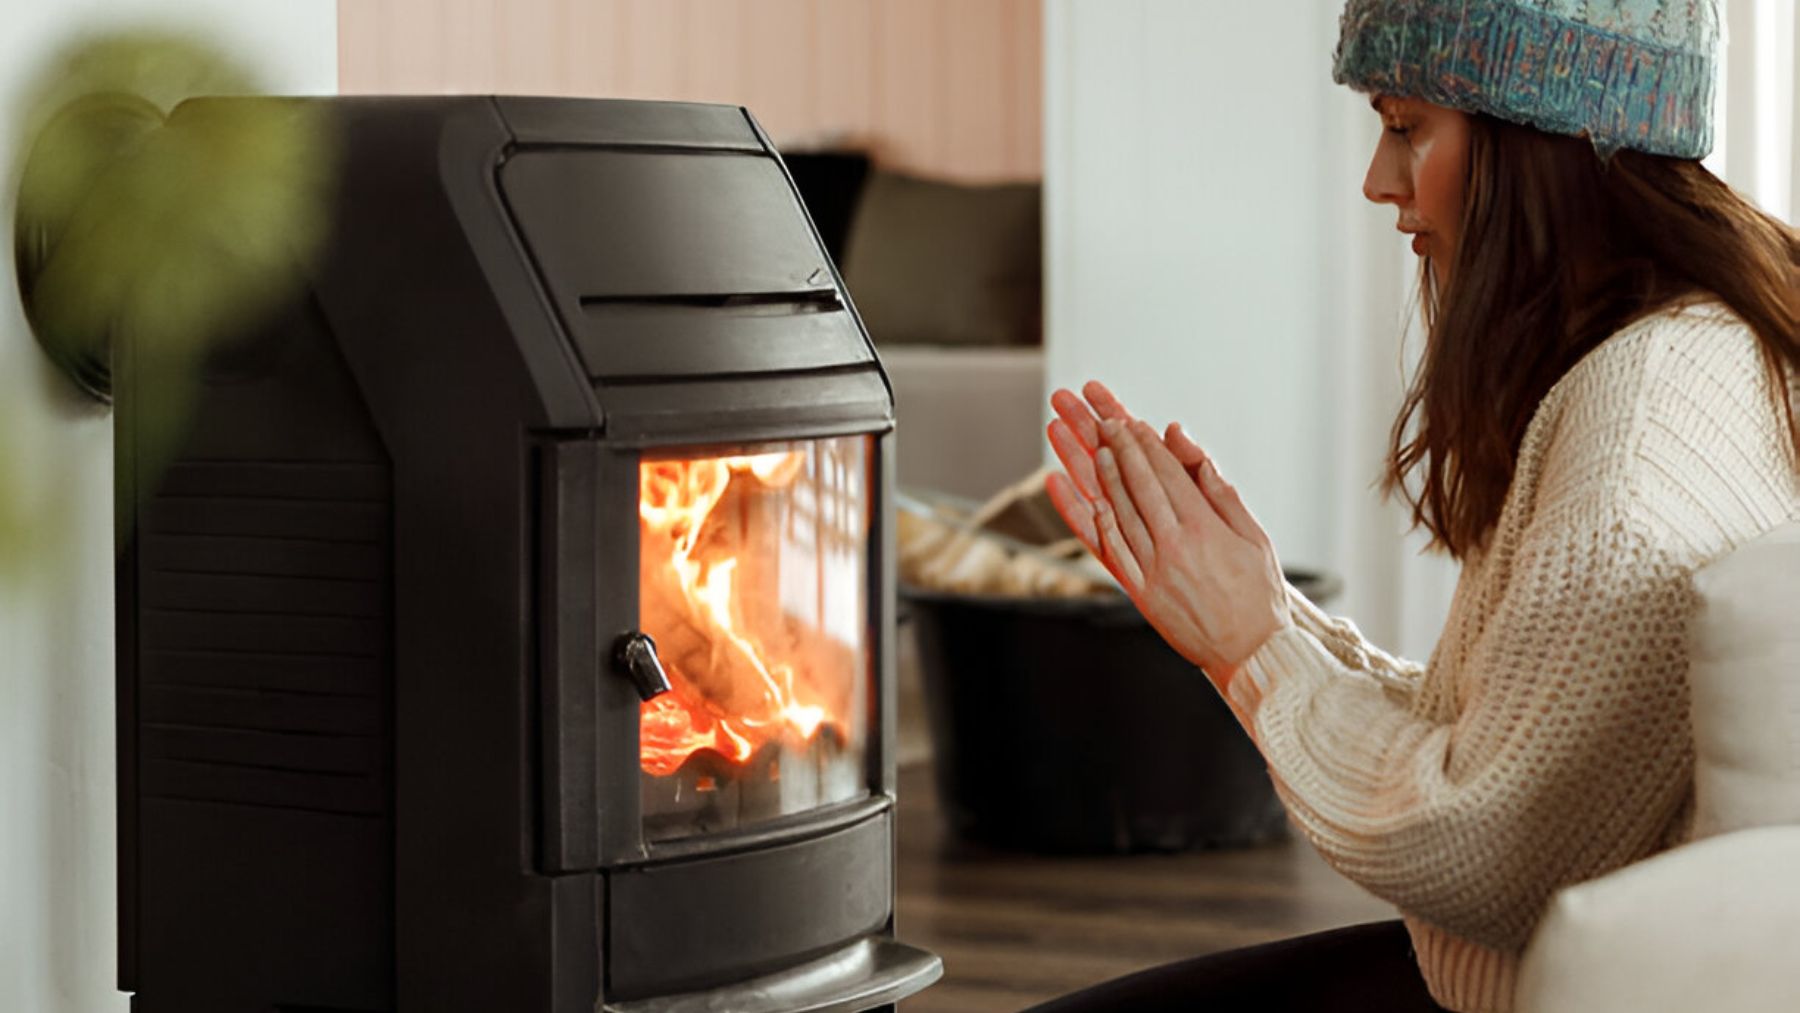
(714,335)
(818,300)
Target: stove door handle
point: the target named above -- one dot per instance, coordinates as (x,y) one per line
(636,654)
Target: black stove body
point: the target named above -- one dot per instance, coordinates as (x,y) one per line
(384,741)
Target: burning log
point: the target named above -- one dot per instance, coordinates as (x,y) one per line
(747,670)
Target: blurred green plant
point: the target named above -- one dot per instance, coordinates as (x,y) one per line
(147,220)
(15,528)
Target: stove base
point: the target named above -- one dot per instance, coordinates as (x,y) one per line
(866,975)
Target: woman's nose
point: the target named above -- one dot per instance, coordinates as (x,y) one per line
(1384,184)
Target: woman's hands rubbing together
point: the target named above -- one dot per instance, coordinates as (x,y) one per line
(1174,534)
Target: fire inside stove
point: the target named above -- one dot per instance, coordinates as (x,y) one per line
(753,583)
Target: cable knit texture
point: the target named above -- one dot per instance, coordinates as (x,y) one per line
(1624,73)
(1547,741)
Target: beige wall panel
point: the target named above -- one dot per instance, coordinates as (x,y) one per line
(944,87)
(911,102)
(650,63)
(362,39)
(1025,108)
(470,42)
(594,40)
(411,54)
(848,61)
(531,53)
(781,65)
(975,76)
(715,50)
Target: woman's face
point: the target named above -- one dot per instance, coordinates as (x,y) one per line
(1420,167)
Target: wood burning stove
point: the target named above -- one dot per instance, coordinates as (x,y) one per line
(510,629)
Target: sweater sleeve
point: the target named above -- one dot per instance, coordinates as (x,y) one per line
(1576,726)
(1339,637)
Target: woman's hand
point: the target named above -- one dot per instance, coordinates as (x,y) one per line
(1174,534)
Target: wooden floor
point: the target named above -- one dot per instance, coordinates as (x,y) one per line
(1014,930)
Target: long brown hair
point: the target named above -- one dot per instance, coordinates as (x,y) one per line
(1559,250)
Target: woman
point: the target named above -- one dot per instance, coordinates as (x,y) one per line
(1602,409)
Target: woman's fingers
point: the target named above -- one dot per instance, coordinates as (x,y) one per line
(1115,552)
(1122,511)
(1108,407)
(1084,417)
(1083,516)
(1076,509)
(1221,494)
(1075,414)
(1183,447)
(1185,497)
(1224,497)
(1077,459)
(1148,495)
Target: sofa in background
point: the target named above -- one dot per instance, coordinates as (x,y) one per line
(948,279)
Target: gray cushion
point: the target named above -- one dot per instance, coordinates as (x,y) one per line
(931,262)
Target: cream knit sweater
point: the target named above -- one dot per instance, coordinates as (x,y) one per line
(1547,740)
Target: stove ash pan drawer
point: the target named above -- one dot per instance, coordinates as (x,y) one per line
(694,925)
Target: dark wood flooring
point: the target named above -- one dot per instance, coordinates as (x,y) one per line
(1014,930)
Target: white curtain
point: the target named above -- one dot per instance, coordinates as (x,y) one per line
(1397,595)
(1756,150)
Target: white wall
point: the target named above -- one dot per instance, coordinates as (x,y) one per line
(58,927)
(1209,255)
(1183,203)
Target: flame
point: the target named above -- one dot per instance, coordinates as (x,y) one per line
(676,500)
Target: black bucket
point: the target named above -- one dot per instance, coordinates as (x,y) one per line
(1068,726)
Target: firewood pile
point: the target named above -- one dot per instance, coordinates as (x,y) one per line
(1012,545)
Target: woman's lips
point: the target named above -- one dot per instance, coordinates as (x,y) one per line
(1420,243)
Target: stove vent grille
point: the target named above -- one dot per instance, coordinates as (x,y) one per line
(264,590)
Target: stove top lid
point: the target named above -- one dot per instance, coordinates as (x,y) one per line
(677,255)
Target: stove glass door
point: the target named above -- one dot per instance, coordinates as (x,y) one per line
(754,583)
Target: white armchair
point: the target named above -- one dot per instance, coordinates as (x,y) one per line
(1713,925)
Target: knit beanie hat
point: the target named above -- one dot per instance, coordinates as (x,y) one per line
(1626,73)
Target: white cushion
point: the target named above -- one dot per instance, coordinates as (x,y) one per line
(1745,675)
(970,419)
(1713,926)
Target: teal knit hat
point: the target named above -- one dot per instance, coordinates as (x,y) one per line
(1627,73)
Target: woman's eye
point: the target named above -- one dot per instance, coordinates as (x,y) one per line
(1400,132)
